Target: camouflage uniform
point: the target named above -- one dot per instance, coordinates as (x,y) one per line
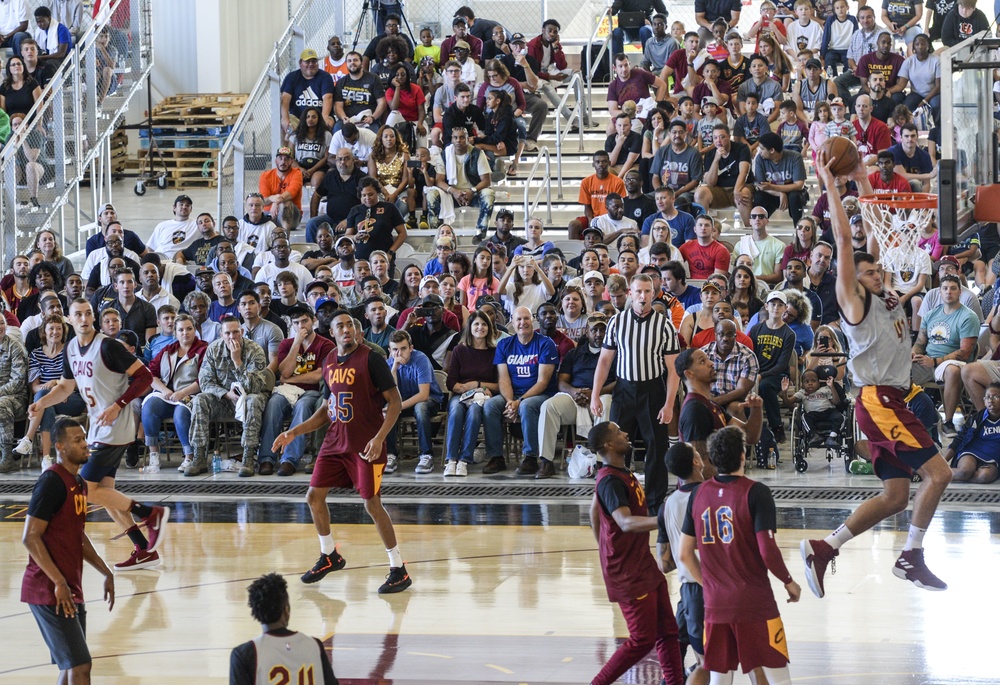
(13,395)
(216,377)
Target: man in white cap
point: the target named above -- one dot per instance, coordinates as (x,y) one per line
(173,235)
(773,344)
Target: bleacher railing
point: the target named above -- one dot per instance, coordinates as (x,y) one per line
(579,112)
(531,205)
(65,138)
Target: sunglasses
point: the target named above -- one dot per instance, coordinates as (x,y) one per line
(758,216)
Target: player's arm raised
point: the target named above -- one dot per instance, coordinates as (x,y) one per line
(754,422)
(851,302)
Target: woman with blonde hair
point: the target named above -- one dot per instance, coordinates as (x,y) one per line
(48,245)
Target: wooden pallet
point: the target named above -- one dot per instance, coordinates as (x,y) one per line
(199,111)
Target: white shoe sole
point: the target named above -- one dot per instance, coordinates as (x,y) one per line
(900,573)
(162,535)
(811,579)
(139,567)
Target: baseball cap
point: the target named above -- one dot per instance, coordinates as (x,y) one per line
(857,219)
(593,274)
(599,232)
(342,239)
(837,101)
(307,55)
(777,295)
(129,337)
(504,212)
(597,319)
(710,285)
(297,310)
(427,279)
(432,299)
(948,259)
(813,63)
(323,301)
(710,101)
(317,284)
(517,38)
(287,152)
(106,206)
(204,270)
(461,44)
(459,20)
(181,198)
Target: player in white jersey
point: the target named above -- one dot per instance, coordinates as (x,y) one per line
(108,378)
(875,326)
(277,655)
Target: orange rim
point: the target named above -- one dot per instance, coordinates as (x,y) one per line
(902,200)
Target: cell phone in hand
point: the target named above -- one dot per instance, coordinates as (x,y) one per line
(414,163)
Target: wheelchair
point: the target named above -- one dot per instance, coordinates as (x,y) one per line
(804,439)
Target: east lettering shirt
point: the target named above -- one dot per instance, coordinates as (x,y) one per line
(307,360)
(523,361)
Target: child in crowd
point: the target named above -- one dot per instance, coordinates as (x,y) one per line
(768,25)
(443,248)
(427,48)
(425,177)
(805,33)
(785,12)
(709,120)
(817,130)
(839,124)
(837,34)
(793,132)
(901,115)
(689,115)
(819,404)
(751,125)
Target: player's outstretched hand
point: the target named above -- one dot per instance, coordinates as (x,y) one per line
(794,591)
(823,164)
(282,441)
(372,450)
(64,600)
(109,590)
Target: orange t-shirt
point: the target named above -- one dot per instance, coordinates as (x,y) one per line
(337,72)
(593,191)
(272,184)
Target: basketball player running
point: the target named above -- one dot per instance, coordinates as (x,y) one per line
(277,655)
(57,547)
(731,520)
(353,453)
(621,526)
(879,340)
(108,378)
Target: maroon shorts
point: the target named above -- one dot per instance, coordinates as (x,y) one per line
(750,645)
(899,443)
(349,471)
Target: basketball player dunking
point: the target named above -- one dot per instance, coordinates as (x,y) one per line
(108,378)
(876,328)
(353,453)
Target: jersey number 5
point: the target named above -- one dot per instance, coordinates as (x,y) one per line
(88,396)
(279,675)
(723,519)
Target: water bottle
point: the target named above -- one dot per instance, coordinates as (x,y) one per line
(216,462)
(737,221)
(772,459)
(959,419)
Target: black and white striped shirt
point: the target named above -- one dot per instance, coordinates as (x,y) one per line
(641,343)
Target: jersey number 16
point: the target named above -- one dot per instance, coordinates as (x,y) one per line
(723,520)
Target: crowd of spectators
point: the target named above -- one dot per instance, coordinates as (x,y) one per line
(512,334)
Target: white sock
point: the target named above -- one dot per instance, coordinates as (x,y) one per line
(720,678)
(395,558)
(915,540)
(839,537)
(778,676)
(326,544)
(672,440)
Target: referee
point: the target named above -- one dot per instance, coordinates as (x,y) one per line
(642,343)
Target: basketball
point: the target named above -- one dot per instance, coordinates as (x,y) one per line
(846,153)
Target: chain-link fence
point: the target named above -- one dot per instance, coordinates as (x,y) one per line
(249,150)
(66,137)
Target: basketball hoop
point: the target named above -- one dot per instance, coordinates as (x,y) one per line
(896,220)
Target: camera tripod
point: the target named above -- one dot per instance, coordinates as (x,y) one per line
(375,9)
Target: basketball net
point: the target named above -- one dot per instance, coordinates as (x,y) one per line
(896,220)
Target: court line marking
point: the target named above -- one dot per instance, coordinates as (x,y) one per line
(436,656)
(499,668)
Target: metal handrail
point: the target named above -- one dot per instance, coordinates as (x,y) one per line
(600,54)
(575,85)
(14,143)
(529,205)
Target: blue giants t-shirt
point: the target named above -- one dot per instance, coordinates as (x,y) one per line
(522,361)
(411,375)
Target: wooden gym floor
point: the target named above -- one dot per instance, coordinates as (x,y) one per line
(502,593)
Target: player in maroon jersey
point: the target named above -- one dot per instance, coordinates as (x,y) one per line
(353,453)
(731,519)
(57,547)
(633,580)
